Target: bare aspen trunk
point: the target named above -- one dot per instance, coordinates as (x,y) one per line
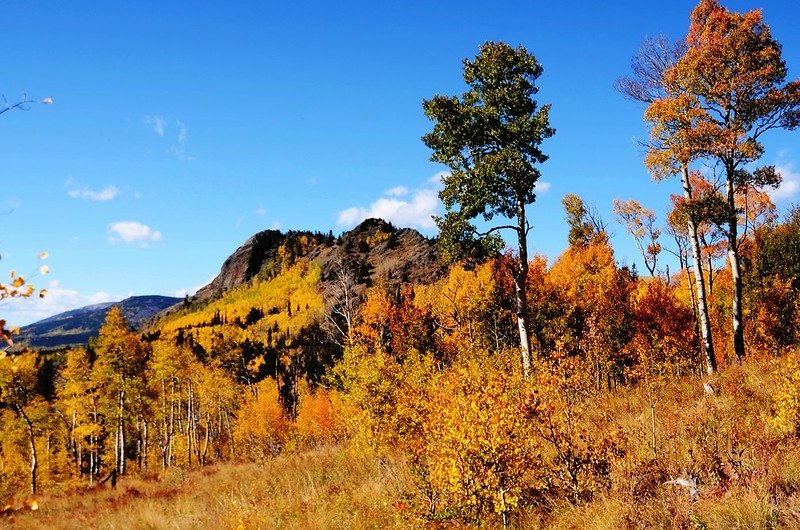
(520,283)
(189,412)
(196,434)
(144,443)
(121,435)
(702,305)
(204,454)
(733,257)
(690,286)
(32,446)
(91,461)
(93,457)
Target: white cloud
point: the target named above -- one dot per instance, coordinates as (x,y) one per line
(157,123)
(790,185)
(106,194)
(402,210)
(261,212)
(407,208)
(132,233)
(21,312)
(397,191)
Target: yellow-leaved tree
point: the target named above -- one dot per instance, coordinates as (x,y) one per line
(119,373)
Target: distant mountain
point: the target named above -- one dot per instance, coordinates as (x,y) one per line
(73,328)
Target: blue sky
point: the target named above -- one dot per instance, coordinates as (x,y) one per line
(178,130)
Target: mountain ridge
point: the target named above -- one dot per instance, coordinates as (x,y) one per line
(75,327)
(373,251)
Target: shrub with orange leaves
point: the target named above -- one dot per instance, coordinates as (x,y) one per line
(319,418)
(262,427)
(580,450)
(385,398)
(485,459)
(470,308)
(596,306)
(664,340)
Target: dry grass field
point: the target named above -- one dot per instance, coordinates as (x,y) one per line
(748,477)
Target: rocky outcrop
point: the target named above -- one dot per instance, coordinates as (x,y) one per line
(244,264)
(375,251)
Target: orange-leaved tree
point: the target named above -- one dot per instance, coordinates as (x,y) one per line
(734,75)
(674,138)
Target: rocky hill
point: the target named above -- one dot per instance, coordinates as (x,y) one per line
(373,251)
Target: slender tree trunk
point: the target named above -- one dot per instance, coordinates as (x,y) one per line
(120,467)
(702,305)
(189,412)
(207,440)
(171,430)
(733,257)
(145,447)
(32,446)
(520,283)
(93,456)
(690,287)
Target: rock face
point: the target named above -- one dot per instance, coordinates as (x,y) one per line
(243,265)
(375,250)
(383,253)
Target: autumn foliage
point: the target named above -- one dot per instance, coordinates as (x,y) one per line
(618,416)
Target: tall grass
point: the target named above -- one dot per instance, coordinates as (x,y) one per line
(329,488)
(748,477)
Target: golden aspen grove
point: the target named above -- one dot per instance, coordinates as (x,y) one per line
(383,379)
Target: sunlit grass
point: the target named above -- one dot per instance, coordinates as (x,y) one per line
(748,477)
(327,488)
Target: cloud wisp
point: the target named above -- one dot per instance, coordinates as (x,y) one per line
(180,293)
(157,124)
(179,148)
(106,194)
(133,233)
(160,126)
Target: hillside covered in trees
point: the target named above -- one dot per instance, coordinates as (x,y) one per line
(383,379)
